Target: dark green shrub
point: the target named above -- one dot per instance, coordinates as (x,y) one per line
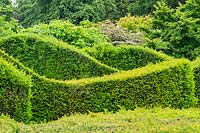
(168,84)
(52,58)
(196,70)
(126,57)
(15,92)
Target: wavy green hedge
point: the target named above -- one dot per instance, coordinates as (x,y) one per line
(52,58)
(15,92)
(16,63)
(196,70)
(168,84)
(126,57)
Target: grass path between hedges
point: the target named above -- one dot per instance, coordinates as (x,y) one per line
(140,120)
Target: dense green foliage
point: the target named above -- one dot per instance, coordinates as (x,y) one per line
(159,83)
(6,9)
(134,24)
(52,58)
(43,79)
(175,31)
(58,98)
(8,25)
(79,36)
(126,57)
(138,121)
(34,12)
(145,7)
(196,69)
(42,11)
(15,92)
(168,84)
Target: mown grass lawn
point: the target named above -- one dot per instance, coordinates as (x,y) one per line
(140,120)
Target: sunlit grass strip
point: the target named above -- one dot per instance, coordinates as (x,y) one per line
(137,121)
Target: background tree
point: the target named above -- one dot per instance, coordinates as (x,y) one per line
(8,25)
(145,7)
(32,12)
(175,31)
(6,9)
(42,11)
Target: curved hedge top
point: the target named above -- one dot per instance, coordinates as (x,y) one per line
(126,57)
(52,58)
(167,84)
(153,85)
(124,75)
(15,92)
(18,64)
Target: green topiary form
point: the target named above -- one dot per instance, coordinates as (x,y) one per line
(126,57)
(168,84)
(52,58)
(15,92)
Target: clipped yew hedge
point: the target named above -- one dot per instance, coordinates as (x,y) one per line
(53,58)
(126,57)
(16,63)
(196,70)
(168,84)
(15,92)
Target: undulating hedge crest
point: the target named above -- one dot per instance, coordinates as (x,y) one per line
(53,58)
(16,63)
(126,57)
(168,84)
(15,92)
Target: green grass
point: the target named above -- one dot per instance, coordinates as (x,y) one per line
(140,120)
